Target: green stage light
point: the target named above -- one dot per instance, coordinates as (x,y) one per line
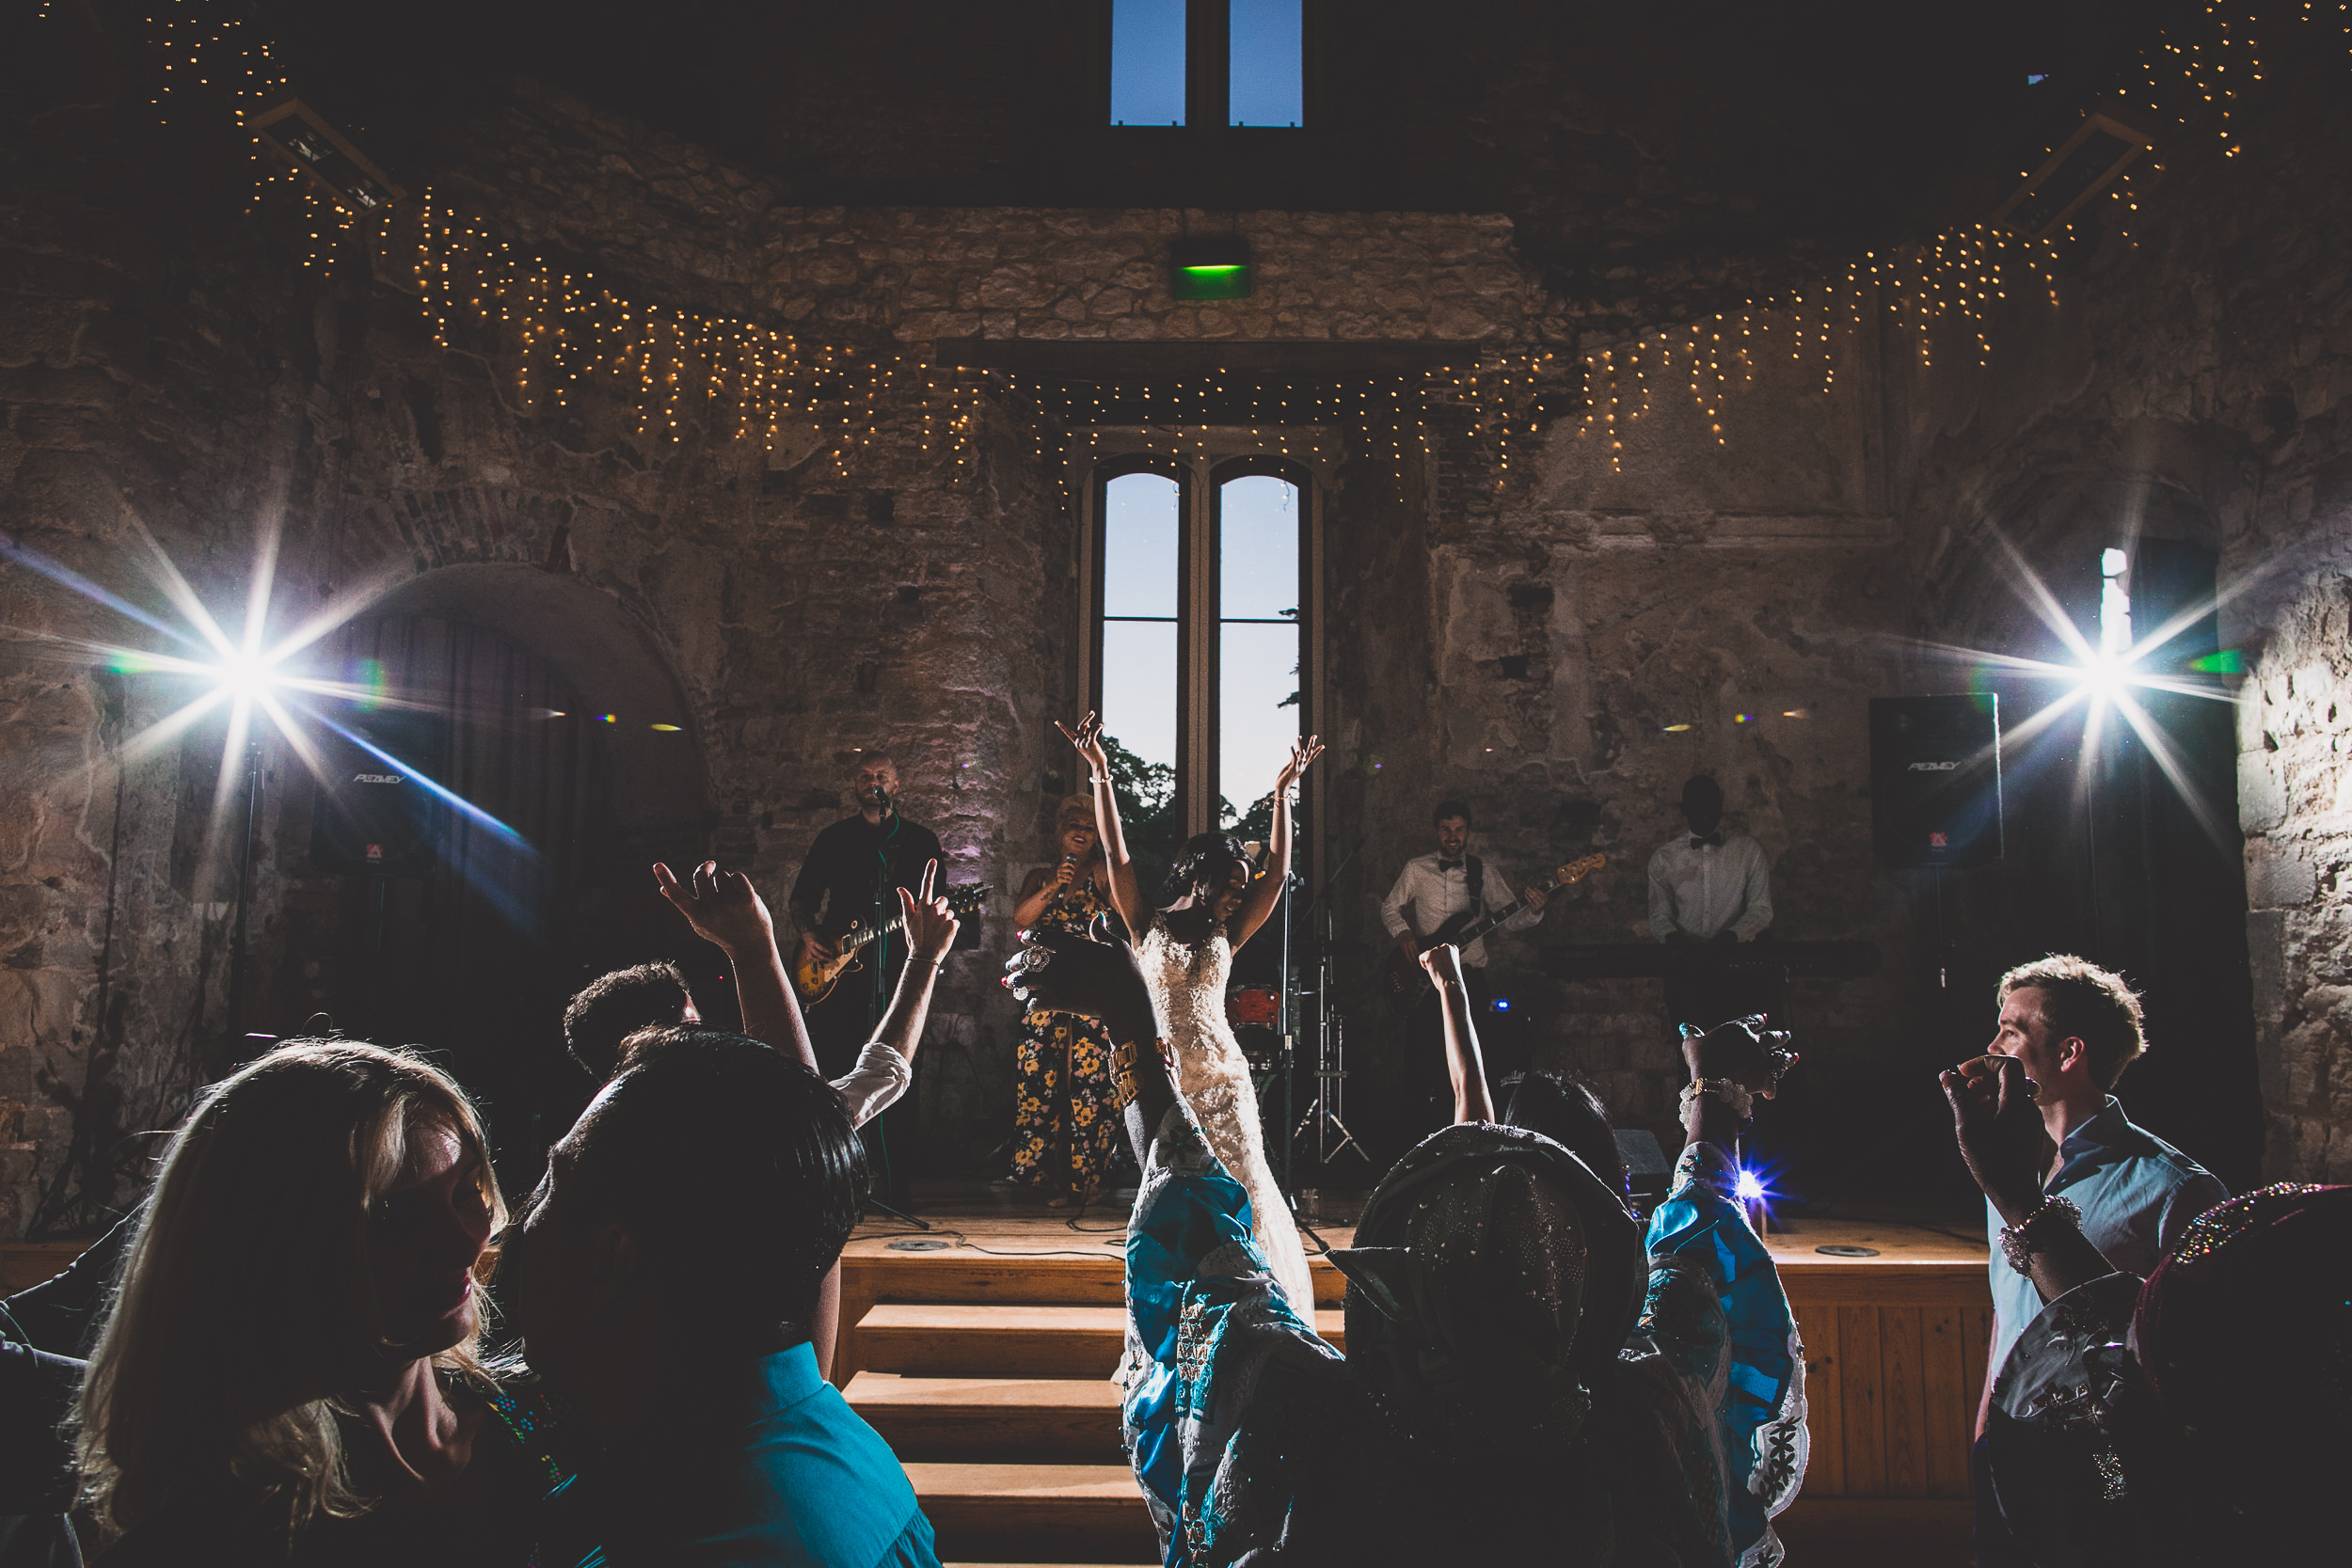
(1210,269)
(2229,661)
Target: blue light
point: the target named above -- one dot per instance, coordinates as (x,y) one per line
(1502,1004)
(1747,1189)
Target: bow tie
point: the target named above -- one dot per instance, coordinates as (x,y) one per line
(1712,841)
(1444,865)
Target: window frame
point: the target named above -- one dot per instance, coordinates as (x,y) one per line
(1221,456)
(1208,72)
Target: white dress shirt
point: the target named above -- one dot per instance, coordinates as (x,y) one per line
(1703,891)
(1425,898)
(874,1086)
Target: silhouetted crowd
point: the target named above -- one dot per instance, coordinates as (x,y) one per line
(322,1337)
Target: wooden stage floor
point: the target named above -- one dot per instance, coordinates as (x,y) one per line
(982,1359)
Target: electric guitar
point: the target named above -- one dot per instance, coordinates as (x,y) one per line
(814,978)
(1404,982)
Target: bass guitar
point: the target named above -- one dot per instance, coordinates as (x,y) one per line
(1404,982)
(814,978)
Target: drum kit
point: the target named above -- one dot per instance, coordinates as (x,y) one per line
(1258,1016)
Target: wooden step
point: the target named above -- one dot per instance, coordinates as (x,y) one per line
(1036,1512)
(946,1340)
(999,1419)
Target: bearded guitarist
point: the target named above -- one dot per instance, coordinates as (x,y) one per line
(1431,890)
(851,877)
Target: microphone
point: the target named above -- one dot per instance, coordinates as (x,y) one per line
(1066,860)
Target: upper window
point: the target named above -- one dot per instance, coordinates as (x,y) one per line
(1148,62)
(1208,62)
(1265,81)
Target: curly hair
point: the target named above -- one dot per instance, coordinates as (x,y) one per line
(613,1006)
(1204,865)
(2082,1001)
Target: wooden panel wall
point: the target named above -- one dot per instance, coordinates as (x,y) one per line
(1893,1368)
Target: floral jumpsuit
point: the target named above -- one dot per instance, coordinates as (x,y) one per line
(1067,1104)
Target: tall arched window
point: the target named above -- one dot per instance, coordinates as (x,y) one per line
(1202,600)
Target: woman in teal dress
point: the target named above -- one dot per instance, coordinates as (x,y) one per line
(1527,1377)
(1066,1128)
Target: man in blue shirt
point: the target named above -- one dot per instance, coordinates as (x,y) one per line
(668,1268)
(2075,1027)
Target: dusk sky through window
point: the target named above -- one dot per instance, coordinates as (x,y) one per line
(1258,581)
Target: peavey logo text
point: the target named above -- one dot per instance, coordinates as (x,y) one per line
(1934,766)
(377,778)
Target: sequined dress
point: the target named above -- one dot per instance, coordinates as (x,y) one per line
(1187,984)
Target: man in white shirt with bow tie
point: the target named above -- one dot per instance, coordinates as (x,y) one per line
(1708,888)
(1431,890)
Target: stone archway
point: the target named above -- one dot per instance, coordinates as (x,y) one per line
(560,716)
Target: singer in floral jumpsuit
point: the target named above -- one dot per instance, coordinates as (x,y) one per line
(1066,1105)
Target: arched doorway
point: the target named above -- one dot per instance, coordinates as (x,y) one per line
(543,706)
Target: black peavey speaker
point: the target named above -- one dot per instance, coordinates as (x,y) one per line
(372,818)
(1936,780)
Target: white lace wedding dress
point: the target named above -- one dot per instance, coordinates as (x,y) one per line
(1187,984)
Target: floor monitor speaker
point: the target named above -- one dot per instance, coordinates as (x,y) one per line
(1936,780)
(375,820)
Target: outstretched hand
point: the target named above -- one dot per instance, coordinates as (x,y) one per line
(1088,737)
(1302,753)
(723,907)
(1998,1128)
(931,926)
(1064,974)
(1735,1053)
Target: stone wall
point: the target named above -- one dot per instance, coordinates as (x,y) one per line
(2197,385)
(1534,647)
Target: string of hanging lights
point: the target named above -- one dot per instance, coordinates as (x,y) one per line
(684,371)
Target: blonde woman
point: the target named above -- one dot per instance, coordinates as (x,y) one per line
(1066,1105)
(290,1371)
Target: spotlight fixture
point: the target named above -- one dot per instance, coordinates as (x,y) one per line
(1210,269)
(295,132)
(2078,168)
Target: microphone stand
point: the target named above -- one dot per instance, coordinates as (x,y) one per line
(1328,1076)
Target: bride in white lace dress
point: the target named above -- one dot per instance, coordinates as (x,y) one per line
(1186,951)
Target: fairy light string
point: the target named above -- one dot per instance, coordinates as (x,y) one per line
(562,330)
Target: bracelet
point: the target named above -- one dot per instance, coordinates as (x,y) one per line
(2019,1241)
(1741,1103)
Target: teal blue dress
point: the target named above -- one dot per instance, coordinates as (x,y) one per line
(1249,1434)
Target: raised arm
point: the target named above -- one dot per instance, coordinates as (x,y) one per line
(1124,894)
(1267,890)
(931,929)
(1471,1100)
(726,910)
(1998,1129)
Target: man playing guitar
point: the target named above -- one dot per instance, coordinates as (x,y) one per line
(851,877)
(1431,890)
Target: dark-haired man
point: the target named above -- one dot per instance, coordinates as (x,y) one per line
(1710,888)
(2075,1027)
(1431,890)
(613,1006)
(670,1266)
